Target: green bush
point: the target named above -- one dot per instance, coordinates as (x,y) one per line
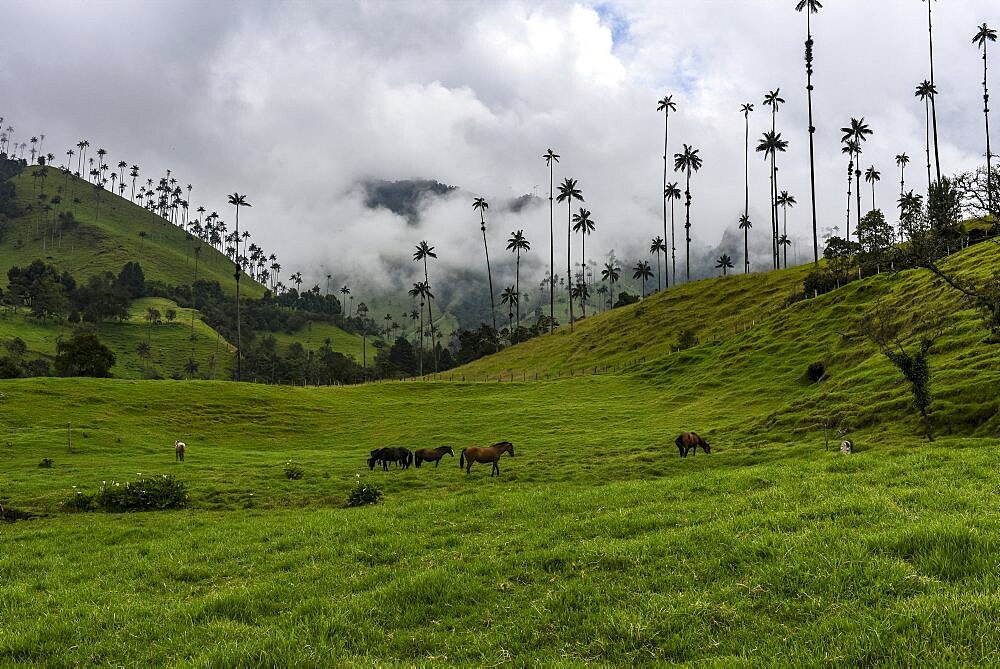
(363,493)
(79,501)
(46,463)
(144,494)
(816,371)
(292,471)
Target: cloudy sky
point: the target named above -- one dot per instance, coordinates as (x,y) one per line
(295,103)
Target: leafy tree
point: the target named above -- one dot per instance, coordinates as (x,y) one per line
(689,161)
(874,234)
(144,349)
(83,354)
(132,278)
(568,192)
(551,157)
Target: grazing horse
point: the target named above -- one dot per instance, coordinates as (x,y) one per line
(690,441)
(401,456)
(179,447)
(434,454)
(485,454)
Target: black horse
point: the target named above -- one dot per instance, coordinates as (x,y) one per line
(690,441)
(401,456)
(434,454)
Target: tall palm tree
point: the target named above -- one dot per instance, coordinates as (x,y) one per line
(673,193)
(773,100)
(656,247)
(873,176)
(811,7)
(517,244)
(724,262)
(785,201)
(642,271)
(982,38)
(745,226)
(901,162)
(666,105)
(509,297)
(850,146)
(424,252)
(783,243)
(745,110)
(567,193)
(580,291)
(689,161)
(133,172)
(420,290)
(930,42)
(583,224)
(482,205)
(770,145)
(345,291)
(238,201)
(611,273)
(926,92)
(551,157)
(857,131)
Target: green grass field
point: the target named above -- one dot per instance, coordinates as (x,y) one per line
(597,544)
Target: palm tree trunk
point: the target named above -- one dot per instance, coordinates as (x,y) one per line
(583,268)
(552,259)
(873,195)
(850,179)
(857,185)
(239,331)
(666,127)
(986,113)
(569,266)
(812,131)
(930,39)
(421,356)
(746,196)
(774,214)
(517,285)
(746,250)
(430,315)
(673,245)
(687,228)
(927,130)
(489,274)
(659,285)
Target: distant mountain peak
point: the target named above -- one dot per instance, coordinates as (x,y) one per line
(402,197)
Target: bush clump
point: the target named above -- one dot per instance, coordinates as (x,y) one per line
(292,471)
(363,493)
(816,371)
(46,463)
(154,493)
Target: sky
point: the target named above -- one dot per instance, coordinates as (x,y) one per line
(296,104)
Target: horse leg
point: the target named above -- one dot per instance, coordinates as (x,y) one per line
(496,468)
(437,462)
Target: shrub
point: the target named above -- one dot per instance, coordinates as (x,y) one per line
(46,463)
(79,501)
(686,339)
(363,493)
(816,371)
(144,494)
(292,471)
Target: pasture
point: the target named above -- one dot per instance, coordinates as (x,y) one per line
(597,543)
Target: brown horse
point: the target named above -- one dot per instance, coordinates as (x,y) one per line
(432,454)
(485,454)
(690,441)
(179,447)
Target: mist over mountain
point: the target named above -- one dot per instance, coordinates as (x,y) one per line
(402,197)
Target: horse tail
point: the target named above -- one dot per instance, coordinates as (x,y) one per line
(461,459)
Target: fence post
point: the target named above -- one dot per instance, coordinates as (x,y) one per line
(69,437)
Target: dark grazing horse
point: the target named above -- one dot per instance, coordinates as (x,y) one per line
(690,441)
(401,456)
(485,454)
(434,454)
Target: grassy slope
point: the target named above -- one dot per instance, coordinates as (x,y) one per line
(109,240)
(597,543)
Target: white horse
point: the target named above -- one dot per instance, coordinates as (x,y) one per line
(179,447)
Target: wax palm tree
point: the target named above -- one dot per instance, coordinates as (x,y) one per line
(567,193)
(785,201)
(783,243)
(420,290)
(583,224)
(602,291)
(134,173)
(850,146)
(773,100)
(984,36)
(238,201)
(930,42)
(689,161)
(672,193)
(724,262)
(611,273)
(811,7)
(482,205)
(517,244)
(745,226)
(901,162)
(770,145)
(422,253)
(551,157)
(926,92)
(857,131)
(345,291)
(745,110)
(509,297)
(666,105)
(656,247)
(34,141)
(873,176)
(642,271)
(580,291)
